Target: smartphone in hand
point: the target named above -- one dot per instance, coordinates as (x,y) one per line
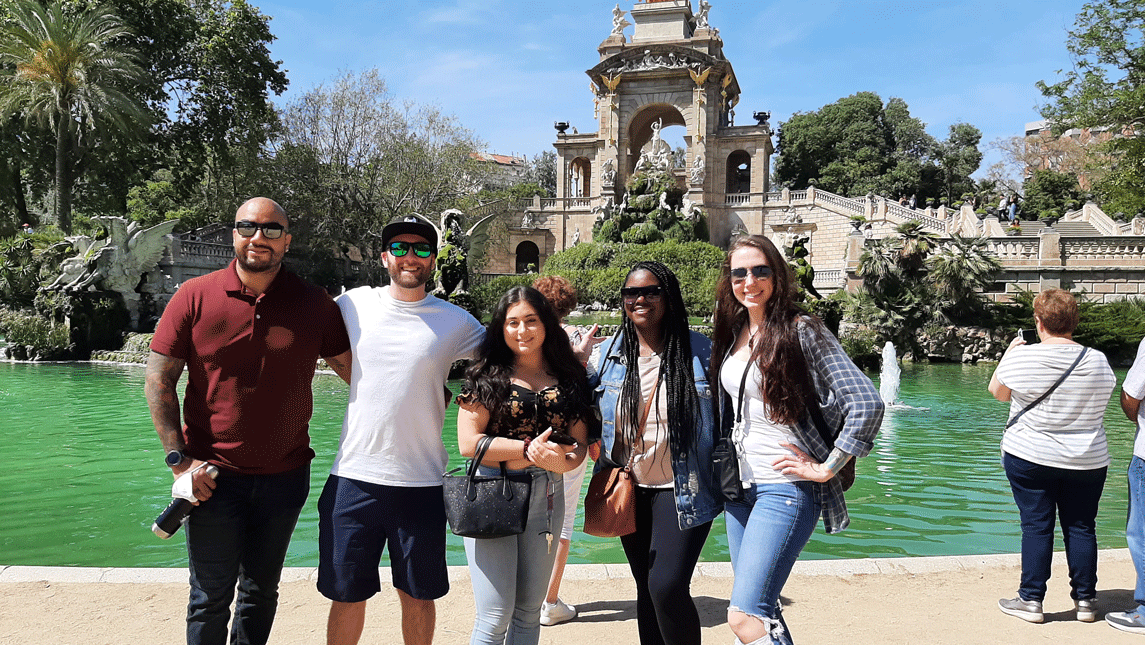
(1029,335)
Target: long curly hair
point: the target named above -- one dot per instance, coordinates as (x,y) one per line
(675,366)
(487,379)
(784,378)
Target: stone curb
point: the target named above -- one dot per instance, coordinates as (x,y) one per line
(840,568)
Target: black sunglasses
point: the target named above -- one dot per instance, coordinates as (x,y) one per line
(420,249)
(270,230)
(759,272)
(650,294)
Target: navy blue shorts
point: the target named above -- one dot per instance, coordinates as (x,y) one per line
(355,521)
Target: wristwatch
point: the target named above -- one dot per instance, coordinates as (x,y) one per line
(174,458)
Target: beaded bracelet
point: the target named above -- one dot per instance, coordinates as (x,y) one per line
(525,448)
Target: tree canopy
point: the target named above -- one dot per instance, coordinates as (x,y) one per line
(68,72)
(1106,88)
(858,145)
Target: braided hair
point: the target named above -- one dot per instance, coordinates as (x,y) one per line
(675,366)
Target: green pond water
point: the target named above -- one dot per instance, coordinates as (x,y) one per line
(82,475)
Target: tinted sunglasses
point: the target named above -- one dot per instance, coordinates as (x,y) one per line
(759,272)
(420,249)
(650,294)
(270,230)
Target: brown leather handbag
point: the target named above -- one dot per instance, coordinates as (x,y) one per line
(610,504)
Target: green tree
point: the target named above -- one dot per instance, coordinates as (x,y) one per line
(1050,193)
(958,157)
(858,145)
(350,159)
(959,269)
(1106,88)
(67,71)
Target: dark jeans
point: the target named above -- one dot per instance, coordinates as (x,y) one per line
(240,535)
(662,558)
(1039,491)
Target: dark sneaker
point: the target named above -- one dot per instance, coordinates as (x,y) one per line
(1027,610)
(1127,621)
(1086,610)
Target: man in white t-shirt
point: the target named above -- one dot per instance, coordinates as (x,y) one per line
(1132,392)
(385,485)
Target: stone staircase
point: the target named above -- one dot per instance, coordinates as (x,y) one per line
(1065,229)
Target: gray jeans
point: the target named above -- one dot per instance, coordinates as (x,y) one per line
(510,575)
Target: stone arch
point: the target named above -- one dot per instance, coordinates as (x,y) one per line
(738,173)
(640,127)
(580,178)
(527,253)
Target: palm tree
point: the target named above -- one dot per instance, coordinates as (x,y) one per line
(958,269)
(66,71)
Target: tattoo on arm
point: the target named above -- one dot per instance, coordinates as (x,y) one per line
(836,460)
(341,364)
(162,379)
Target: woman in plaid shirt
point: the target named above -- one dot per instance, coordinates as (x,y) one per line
(781,360)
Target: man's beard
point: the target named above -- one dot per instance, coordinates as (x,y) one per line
(271,263)
(405,280)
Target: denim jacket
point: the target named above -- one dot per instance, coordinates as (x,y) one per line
(697,499)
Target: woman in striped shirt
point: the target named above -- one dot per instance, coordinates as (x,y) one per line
(1054,451)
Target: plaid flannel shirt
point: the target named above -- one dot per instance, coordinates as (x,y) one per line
(848,399)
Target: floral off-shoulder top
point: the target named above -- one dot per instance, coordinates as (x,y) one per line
(528,413)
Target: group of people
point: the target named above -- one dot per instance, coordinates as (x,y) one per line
(1056,457)
(655,397)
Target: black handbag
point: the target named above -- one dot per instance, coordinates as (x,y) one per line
(486,507)
(725,461)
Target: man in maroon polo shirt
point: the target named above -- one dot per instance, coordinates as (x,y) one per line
(250,336)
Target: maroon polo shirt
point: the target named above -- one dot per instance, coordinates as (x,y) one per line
(250,362)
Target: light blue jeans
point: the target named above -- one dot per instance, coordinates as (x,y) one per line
(767,529)
(510,575)
(1135,526)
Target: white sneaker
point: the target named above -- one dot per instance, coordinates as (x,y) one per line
(556,613)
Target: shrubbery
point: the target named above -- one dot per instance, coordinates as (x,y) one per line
(598,270)
(30,336)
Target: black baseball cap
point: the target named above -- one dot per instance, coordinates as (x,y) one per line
(410,224)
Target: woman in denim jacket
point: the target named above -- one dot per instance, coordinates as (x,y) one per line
(783,361)
(658,417)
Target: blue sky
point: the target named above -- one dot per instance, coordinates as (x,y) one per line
(508,69)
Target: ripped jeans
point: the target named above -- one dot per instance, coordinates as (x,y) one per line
(767,530)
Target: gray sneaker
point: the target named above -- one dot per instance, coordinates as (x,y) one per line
(1127,621)
(1086,609)
(1027,610)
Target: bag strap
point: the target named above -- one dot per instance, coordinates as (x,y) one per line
(1053,387)
(643,420)
(479,455)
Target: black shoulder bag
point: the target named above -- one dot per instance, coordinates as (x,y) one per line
(1053,387)
(725,461)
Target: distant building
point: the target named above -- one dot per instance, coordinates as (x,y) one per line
(503,171)
(1065,153)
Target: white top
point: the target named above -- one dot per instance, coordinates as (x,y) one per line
(1065,430)
(652,463)
(758,440)
(402,353)
(1134,386)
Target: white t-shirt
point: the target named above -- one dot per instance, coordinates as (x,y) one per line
(402,353)
(652,461)
(1134,386)
(758,441)
(1066,430)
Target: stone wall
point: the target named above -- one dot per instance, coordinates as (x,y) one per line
(964,344)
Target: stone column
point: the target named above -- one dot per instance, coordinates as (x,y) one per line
(1049,248)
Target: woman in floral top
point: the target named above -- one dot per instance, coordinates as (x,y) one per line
(528,392)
